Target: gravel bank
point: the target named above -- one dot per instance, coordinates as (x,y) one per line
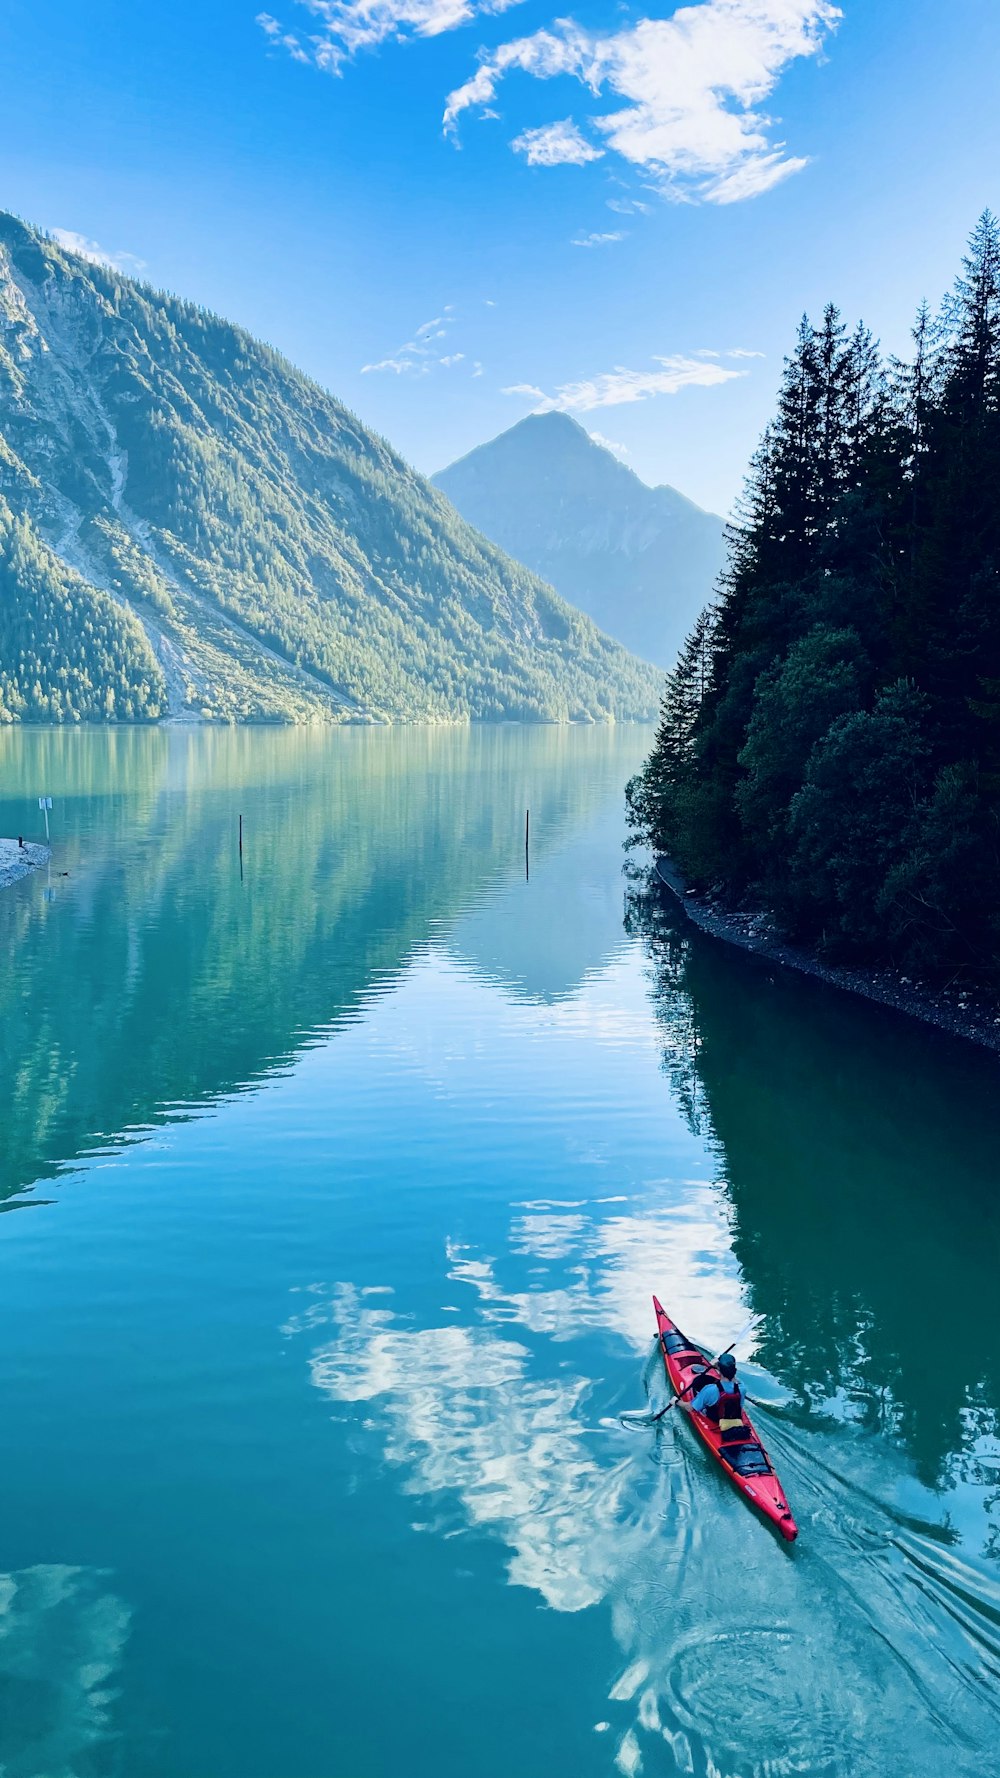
(954,1010)
(17,861)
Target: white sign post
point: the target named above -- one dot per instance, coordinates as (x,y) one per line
(45,804)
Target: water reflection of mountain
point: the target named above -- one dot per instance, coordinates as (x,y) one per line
(566,924)
(859,1156)
(155,978)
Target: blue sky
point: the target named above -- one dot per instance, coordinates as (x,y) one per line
(411,198)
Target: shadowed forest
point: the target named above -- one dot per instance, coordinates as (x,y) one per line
(829,740)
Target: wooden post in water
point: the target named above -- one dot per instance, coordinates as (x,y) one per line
(527,837)
(241,836)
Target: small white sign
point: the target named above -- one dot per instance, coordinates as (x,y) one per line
(45,802)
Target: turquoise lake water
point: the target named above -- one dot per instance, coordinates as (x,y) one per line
(335,1195)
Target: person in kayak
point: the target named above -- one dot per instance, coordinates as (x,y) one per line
(720,1401)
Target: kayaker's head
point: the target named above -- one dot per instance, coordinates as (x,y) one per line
(727,1365)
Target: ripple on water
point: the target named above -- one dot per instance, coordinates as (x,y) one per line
(780,1706)
(873,1654)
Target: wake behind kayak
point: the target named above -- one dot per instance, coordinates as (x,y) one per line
(742,1456)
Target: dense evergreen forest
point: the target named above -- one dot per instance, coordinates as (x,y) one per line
(829,739)
(68,653)
(283,562)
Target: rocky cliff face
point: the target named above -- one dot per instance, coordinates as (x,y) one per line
(283,562)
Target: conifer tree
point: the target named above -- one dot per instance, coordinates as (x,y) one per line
(844,759)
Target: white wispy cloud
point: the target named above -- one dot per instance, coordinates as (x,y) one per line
(731,352)
(629,206)
(343,27)
(281,38)
(618,387)
(421,354)
(72,242)
(399,366)
(598,240)
(556,145)
(611,444)
(692,85)
(755,174)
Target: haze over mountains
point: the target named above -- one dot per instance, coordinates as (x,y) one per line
(641,561)
(190,526)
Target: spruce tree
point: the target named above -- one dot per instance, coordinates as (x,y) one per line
(844,759)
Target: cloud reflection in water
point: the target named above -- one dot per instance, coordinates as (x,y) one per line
(61,1641)
(465,1419)
(865,1610)
(464,1415)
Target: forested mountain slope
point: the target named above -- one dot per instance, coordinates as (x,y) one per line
(166,980)
(830,737)
(191,525)
(67,651)
(640,561)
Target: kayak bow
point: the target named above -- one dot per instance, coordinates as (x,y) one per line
(745,1461)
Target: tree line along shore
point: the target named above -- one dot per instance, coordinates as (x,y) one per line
(828,746)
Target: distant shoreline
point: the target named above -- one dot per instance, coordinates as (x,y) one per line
(19,861)
(953,1011)
(193,720)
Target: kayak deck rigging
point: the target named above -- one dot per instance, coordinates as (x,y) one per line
(739,1451)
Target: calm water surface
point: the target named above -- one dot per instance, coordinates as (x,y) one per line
(336,1194)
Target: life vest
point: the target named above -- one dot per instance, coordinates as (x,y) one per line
(727,1412)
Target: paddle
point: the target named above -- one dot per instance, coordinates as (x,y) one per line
(672,1403)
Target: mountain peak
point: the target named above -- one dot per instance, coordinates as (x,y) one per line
(641,561)
(188,524)
(538,435)
(554,420)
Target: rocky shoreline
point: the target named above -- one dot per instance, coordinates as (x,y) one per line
(19,861)
(956,1011)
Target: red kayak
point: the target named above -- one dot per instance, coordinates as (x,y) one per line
(743,1458)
